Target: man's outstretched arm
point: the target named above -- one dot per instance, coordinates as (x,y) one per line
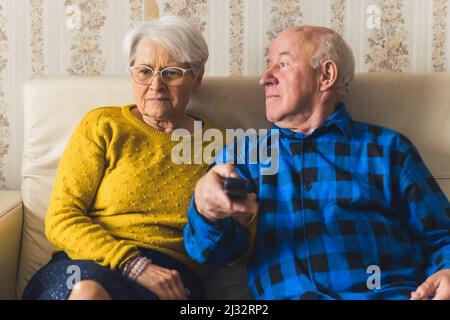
(215,232)
(429,217)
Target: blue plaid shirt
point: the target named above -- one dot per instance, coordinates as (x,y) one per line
(347,197)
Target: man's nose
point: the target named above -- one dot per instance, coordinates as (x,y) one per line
(268,78)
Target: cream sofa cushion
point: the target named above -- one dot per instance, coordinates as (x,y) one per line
(417,105)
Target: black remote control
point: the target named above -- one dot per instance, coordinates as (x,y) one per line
(236,188)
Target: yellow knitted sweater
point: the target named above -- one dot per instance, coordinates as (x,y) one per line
(117,189)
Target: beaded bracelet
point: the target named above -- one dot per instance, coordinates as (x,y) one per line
(129,265)
(138,266)
(137,270)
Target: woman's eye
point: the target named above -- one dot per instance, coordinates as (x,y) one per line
(284,64)
(172,73)
(144,71)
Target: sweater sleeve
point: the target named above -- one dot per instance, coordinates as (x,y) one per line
(68,225)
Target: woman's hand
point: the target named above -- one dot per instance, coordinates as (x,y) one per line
(165,283)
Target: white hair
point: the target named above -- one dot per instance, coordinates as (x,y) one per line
(178,35)
(333,47)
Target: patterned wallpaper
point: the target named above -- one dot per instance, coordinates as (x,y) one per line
(440,35)
(338,16)
(4,124)
(83,37)
(197,10)
(389,44)
(38,65)
(85,20)
(236,37)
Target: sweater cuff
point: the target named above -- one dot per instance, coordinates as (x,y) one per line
(129,256)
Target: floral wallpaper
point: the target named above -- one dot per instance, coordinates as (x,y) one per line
(337,18)
(284,13)
(136,12)
(38,64)
(4,124)
(196,10)
(440,12)
(388,44)
(85,18)
(83,37)
(236,52)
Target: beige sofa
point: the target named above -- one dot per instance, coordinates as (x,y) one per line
(417,105)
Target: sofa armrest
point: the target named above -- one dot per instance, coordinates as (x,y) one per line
(11,219)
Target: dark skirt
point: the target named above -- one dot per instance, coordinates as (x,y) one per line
(54,281)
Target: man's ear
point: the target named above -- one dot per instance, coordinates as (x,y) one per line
(198,82)
(328,75)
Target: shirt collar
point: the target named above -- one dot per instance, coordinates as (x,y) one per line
(340,119)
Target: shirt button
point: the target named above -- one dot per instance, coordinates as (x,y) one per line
(308,186)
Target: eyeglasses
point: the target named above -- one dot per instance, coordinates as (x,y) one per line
(172,76)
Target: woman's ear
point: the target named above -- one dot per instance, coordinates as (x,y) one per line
(329,73)
(198,82)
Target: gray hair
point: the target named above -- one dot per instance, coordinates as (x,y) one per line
(333,47)
(178,35)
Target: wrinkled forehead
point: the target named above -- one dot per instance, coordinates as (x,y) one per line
(300,42)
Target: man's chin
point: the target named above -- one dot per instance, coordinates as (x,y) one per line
(272,118)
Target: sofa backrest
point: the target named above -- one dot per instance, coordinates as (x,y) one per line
(418,105)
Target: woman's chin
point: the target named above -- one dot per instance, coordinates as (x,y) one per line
(155,112)
(159,117)
(158,106)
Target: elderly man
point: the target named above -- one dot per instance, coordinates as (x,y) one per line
(353,212)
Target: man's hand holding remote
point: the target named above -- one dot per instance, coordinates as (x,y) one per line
(213,202)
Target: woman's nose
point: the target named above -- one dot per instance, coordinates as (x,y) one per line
(156,84)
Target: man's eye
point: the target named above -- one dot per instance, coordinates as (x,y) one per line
(284,64)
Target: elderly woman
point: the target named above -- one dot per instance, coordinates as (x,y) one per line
(118,205)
